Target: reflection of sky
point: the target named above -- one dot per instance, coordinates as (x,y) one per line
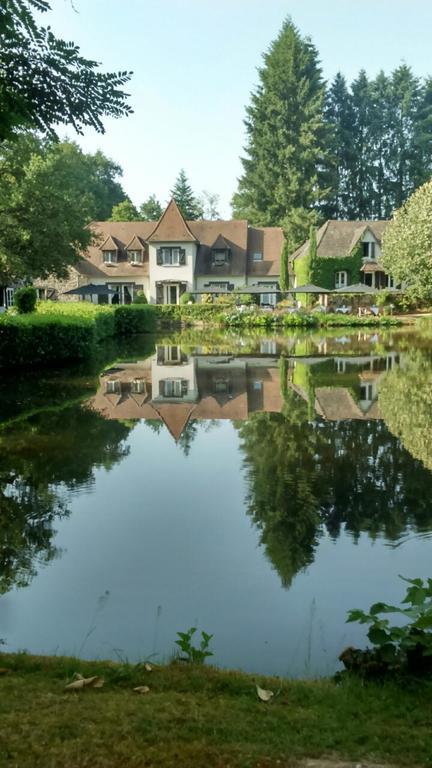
(168,535)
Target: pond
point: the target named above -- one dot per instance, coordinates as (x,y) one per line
(256,488)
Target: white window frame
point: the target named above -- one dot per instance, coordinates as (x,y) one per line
(170,257)
(9,297)
(371,248)
(113,387)
(220,258)
(173,388)
(138,386)
(341,283)
(136,257)
(110,257)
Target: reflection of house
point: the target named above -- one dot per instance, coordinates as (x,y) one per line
(166,258)
(175,388)
(357,395)
(348,252)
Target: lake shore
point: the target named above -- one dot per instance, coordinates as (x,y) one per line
(202,716)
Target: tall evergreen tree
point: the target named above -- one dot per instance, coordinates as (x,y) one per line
(183,195)
(282,183)
(340,117)
(360,182)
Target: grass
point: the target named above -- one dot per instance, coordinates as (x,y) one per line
(201,716)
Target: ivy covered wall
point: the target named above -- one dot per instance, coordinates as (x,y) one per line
(324,271)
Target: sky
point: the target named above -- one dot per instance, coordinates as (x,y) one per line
(194,66)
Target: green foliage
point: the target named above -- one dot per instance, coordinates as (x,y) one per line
(187,202)
(151,209)
(282,183)
(193,654)
(49,192)
(324,269)
(284,264)
(25,299)
(135,318)
(124,211)
(407,245)
(407,647)
(187,298)
(140,298)
(55,85)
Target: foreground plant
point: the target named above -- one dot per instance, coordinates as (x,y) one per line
(194,655)
(405,648)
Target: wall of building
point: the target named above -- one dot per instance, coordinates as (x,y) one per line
(181,274)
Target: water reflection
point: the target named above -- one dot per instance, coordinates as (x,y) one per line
(333,434)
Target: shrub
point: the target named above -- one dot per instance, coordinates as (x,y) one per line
(25,299)
(246,298)
(187,298)
(406,648)
(135,318)
(140,298)
(32,339)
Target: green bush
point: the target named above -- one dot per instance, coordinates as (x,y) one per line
(140,298)
(33,339)
(25,299)
(187,298)
(135,318)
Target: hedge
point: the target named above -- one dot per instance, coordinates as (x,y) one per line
(135,318)
(35,339)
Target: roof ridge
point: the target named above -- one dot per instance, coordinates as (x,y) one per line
(172,206)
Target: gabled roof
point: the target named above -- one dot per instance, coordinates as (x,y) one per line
(172,227)
(175,416)
(220,244)
(336,239)
(136,244)
(110,244)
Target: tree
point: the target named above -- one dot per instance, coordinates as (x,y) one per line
(151,209)
(44,82)
(209,202)
(283,182)
(102,182)
(407,245)
(183,195)
(44,209)
(284,268)
(124,211)
(339,115)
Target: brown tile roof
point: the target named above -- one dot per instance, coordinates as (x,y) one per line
(235,234)
(175,416)
(269,241)
(136,244)
(337,238)
(171,227)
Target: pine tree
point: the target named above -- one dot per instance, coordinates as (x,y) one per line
(340,117)
(183,195)
(360,179)
(379,128)
(282,182)
(405,103)
(151,209)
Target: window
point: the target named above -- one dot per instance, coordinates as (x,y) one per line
(366,392)
(113,387)
(136,257)
(368,250)
(221,386)
(220,258)
(110,257)
(138,386)
(257,385)
(174,387)
(172,257)
(268,347)
(257,256)
(341,279)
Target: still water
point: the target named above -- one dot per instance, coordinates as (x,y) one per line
(257,488)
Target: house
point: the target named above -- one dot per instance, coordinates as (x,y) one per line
(348,253)
(167,258)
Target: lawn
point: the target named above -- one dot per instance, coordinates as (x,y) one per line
(201,716)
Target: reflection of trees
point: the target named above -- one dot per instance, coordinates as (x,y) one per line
(36,457)
(308,476)
(406,405)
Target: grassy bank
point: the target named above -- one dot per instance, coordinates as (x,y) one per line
(200,716)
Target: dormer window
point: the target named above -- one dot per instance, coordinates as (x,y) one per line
(219,257)
(368,250)
(138,386)
(257,256)
(113,387)
(135,257)
(110,257)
